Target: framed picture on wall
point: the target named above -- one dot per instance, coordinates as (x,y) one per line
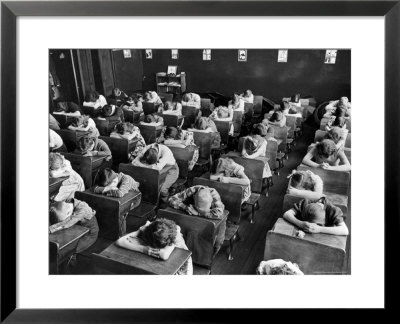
(242,55)
(149,54)
(330,56)
(29,295)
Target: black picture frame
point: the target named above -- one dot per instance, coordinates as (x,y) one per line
(10,10)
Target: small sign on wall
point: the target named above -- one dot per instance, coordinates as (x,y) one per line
(282,56)
(149,54)
(330,56)
(207,55)
(174,54)
(242,55)
(127,54)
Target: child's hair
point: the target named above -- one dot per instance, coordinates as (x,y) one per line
(105,177)
(295,98)
(56,161)
(84,143)
(201,123)
(80,120)
(276,116)
(91,96)
(120,128)
(107,111)
(340,111)
(339,122)
(136,97)
(343,100)
(301,180)
(55,211)
(160,233)
(150,156)
(248,92)
(171,132)
(284,106)
(222,112)
(281,270)
(259,129)
(334,134)
(326,148)
(250,145)
(150,118)
(168,105)
(314,212)
(117,92)
(147,95)
(224,164)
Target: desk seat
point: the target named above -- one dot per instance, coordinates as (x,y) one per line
(111,212)
(117,260)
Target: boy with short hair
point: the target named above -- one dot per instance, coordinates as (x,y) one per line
(318,216)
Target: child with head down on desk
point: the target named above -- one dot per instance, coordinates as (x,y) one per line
(204,202)
(60,167)
(114,184)
(158,239)
(317,216)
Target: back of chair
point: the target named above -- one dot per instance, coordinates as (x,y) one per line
(120,148)
(150,133)
(291,122)
(334,181)
(281,133)
(182,156)
(131,116)
(90,111)
(166,96)
(249,108)
(223,128)
(82,165)
(205,103)
(258,101)
(348,140)
(149,180)
(325,121)
(189,113)
(231,196)
(148,108)
(237,120)
(70,137)
(253,169)
(171,120)
(289,201)
(203,142)
(271,153)
(319,135)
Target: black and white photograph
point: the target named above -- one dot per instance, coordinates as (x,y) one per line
(207,167)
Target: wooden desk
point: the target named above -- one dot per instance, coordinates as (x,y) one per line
(54,185)
(62,244)
(87,166)
(171,120)
(117,260)
(199,233)
(120,148)
(70,137)
(315,253)
(111,212)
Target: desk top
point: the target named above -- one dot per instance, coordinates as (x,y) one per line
(129,196)
(68,235)
(337,241)
(147,264)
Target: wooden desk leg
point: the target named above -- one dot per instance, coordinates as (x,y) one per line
(122,224)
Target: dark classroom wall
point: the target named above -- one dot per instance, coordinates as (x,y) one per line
(304,73)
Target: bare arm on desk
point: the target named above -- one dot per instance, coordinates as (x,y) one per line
(340,229)
(68,222)
(345,164)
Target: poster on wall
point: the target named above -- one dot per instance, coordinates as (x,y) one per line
(330,56)
(127,54)
(207,55)
(174,54)
(242,55)
(282,56)
(149,54)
